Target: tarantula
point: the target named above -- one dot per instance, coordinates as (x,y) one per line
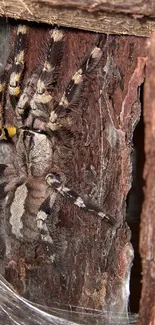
(43,125)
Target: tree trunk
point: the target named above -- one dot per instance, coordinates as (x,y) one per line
(147,240)
(88,263)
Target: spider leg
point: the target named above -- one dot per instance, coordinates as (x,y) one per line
(44,212)
(43,96)
(55,181)
(17,67)
(18,64)
(3,83)
(6,132)
(23,106)
(59,116)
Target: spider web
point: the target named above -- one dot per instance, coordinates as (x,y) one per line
(16,310)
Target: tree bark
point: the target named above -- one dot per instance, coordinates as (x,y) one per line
(112,17)
(147,235)
(91,260)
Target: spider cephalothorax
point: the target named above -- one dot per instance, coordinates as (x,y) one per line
(36,177)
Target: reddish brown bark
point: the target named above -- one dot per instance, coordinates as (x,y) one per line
(147,240)
(92,260)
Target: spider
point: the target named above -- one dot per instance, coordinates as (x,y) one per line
(44,133)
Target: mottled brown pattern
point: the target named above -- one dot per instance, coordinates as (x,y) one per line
(88,263)
(147,235)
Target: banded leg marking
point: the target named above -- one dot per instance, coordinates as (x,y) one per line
(17,67)
(18,64)
(43,95)
(59,116)
(55,182)
(5,131)
(44,212)
(23,105)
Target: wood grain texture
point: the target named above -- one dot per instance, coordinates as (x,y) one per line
(147,235)
(112,17)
